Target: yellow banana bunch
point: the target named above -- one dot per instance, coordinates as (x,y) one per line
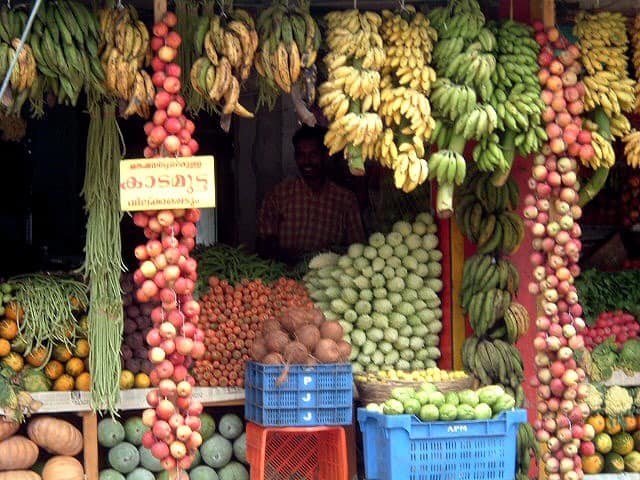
(289,43)
(603,43)
(635,42)
(227,46)
(350,98)
(632,148)
(125,52)
(408,41)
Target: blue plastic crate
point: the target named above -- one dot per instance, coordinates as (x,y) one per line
(401,447)
(310,396)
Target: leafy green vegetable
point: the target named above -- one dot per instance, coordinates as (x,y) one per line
(629,359)
(604,359)
(607,292)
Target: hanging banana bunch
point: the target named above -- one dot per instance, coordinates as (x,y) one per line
(350,98)
(124,52)
(404,104)
(226,45)
(515,98)
(25,83)
(632,139)
(465,65)
(609,92)
(289,43)
(65,38)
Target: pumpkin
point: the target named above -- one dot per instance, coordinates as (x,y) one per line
(7,428)
(593,463)
(17,453)
(55,435)
(19,475)
(63,467)
(622,443)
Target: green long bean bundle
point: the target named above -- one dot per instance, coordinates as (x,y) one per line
(49,303)
(103,255)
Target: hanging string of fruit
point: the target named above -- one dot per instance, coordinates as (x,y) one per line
(124,53)
(226,45)
(168,274)
(350,98)
(25,83)
(289,43)
(65,38)
(516,99)
(632,139)
(560,379)
(404,104)
(464,64)
(609,92)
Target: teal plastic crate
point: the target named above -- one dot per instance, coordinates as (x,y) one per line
(311,395)
(401,447)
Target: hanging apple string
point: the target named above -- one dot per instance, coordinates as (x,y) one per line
(167,274)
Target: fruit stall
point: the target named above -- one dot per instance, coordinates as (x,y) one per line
(484,327)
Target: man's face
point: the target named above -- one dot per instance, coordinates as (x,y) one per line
(310,156)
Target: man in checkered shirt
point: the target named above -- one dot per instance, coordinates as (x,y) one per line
(310,213)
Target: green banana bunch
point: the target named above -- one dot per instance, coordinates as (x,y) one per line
(289,43)
(65,41)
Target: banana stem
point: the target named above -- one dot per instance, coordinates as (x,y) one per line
(589,191)
(500,177)
(354,153)
(444,200)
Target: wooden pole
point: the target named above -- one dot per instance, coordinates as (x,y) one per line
(90,435)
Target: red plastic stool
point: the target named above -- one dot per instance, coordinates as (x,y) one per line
(300,453)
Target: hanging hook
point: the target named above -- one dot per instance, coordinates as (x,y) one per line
(222,12)
(355,4)
(403,7)
(9,4)
(119,5)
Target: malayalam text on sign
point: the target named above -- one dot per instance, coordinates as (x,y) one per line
(166,183)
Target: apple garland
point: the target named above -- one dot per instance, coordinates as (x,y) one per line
(552,212)
(167,274)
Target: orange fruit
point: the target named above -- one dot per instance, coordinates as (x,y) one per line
(14,361)
(62,353)
(74,367)
(127,380)
(142,380)
(37,356)
(8,329)
(597,422)
(612,426)
(5,347)
(63,383)
(54,369)
(83,381)
(13,312)
(81,349)
(630,423)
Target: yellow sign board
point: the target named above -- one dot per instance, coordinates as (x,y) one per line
(166,183)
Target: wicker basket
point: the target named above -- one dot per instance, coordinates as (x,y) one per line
(378,392)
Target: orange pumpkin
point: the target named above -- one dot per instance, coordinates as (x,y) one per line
(612,426)
(54,369)
(630,424)
(593,463)
(597,422)
(7,428)
(62,353)
(55,435)
(74,367)
(13,312)
(64,383)
(19,475)
(5,347)
(83,381)
(63,468)
(17,453)
(8,329)
(37,356)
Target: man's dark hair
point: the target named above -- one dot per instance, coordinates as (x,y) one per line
(310,133)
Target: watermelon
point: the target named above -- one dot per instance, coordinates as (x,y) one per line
(217,451)
(233,471)
(230,426)
(141,474)
(111,474)
(207,426)
(110,432)
(622,443)
(134,429)
(613,463)
(148,461)
(124,457)
(240,448)
(203,472)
